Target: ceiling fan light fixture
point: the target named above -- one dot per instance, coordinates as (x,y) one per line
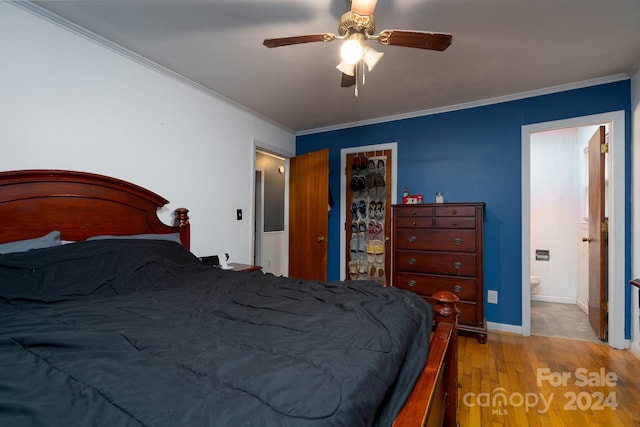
(356,27)
(371,57)
(348,69)
(351,51)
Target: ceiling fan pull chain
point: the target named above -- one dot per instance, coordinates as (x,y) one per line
(355,71)
(364,80)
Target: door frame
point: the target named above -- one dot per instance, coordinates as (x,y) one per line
(616,256)
(258,217)
(393,146)
(259,145)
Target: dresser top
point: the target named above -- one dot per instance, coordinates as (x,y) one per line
(483,204)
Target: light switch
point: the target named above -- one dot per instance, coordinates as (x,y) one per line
(239,214)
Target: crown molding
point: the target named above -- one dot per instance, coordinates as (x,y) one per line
(473,104)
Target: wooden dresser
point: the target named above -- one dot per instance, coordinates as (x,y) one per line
(439,247)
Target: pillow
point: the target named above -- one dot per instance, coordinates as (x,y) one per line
(46,241)
(172,237)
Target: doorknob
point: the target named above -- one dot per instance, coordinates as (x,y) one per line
(586,239)
(320,239)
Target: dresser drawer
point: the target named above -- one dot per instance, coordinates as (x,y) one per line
(428,284)
(414,222)
(414,210)
(454,222)
(433,240)
(455,210)
(451,263)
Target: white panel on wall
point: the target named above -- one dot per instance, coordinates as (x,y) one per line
(274,257)
(554,213)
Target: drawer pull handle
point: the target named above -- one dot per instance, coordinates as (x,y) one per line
(454,211)
(412,261)
(454,223)
(413,212)
(457,265)
(411,282)
(414,223)
(457,288)
(412,239)
(457,241)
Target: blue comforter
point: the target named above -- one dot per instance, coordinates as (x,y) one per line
(140,333)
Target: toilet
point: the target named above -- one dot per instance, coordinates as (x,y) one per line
(535,281)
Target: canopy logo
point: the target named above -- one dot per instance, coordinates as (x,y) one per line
(499,400)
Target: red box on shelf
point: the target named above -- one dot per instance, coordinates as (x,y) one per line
(412,199)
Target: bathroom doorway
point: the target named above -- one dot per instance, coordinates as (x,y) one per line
(559,239)
(554,212)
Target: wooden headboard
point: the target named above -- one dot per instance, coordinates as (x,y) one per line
(80,205)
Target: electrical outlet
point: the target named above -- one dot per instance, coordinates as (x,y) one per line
(492,297)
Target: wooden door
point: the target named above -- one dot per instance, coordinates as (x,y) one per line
(597,234)
(309,215)
(373,168)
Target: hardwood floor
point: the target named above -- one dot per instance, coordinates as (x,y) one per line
(543,381)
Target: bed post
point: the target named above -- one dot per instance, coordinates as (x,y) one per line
(446,312)
(182,220)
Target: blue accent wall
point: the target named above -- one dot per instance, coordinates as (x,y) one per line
(474,155)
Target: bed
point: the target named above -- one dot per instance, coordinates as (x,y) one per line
(107,318)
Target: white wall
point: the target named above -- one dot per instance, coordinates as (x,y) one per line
(559,211)
(68,102)
(274,256)
(554,213)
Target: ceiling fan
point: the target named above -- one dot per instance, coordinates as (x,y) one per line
(356,27)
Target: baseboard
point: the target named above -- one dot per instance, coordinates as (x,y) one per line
(582,306)
(635,348)
(551,298)
(504,327)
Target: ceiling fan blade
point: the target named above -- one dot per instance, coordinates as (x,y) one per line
(347,80)
(288,41)
(417,39)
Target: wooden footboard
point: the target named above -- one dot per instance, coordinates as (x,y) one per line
(434,399)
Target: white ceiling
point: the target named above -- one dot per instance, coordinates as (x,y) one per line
(500,47)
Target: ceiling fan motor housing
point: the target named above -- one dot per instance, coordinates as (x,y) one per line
(351,22)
